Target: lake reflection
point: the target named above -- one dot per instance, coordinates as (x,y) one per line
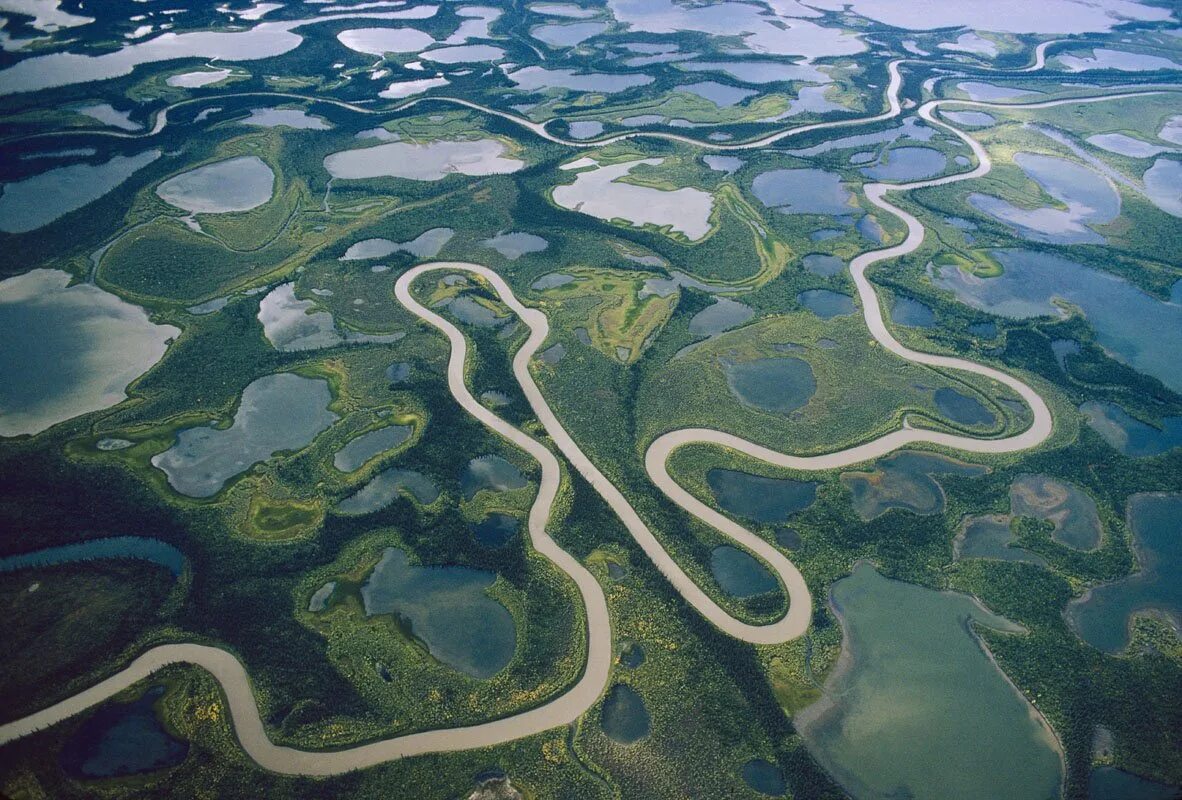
(917,708)
(1103,616)
(236,184)
(68,350)
(277,412)
(448,608)
(1136,328)
(34,202)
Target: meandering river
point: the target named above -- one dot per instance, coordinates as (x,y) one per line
(568,707)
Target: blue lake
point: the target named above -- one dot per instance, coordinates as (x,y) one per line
(496,530)
(1090,199)
(358,451)
(1135,327)
(904,480)
(760,498)
(1103,616)
(36,201)
(912,313)
(276,413)
(962,408)
(908,164)
(803,191)
(827,304)
(739,573)
(448,608)
(122,739)
(492,473)
(917,708)
(385,487)
(779,385)
(764,777)
(992,538)
(624,718)
(1130,435)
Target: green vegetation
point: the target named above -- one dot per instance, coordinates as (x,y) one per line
(979,262)
(634,366)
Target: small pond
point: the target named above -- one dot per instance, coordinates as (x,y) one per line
(448,608)
(624,719)
(721,315)
(720,94)
(632,655)
(321,597)
(1066,506)
(534,79)
(600,192)
(740,574)
(552,281)
(430,161)
(1163,185)
(515,245)
(426,245)
(236,184)
(464,54)
(496,530)
(276,412)
(908,164)
(141,548)
(471,312)
(401,89)
(492,473)
(122,739)
(294,118)
(398,372)
(359,451)
(992,538)
(758,497)
(904,480)
(568,35)
(990,92)
(827,304)
(197,79)
(379,41)
(727,164)
(584,129)
(764,777)
(803,191)
(1104,615)
(779,385)
(824,265)
(292,325)
(109,115)
(971,119)
(962,408)
(385,487)
(1125,145)
(912,313)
